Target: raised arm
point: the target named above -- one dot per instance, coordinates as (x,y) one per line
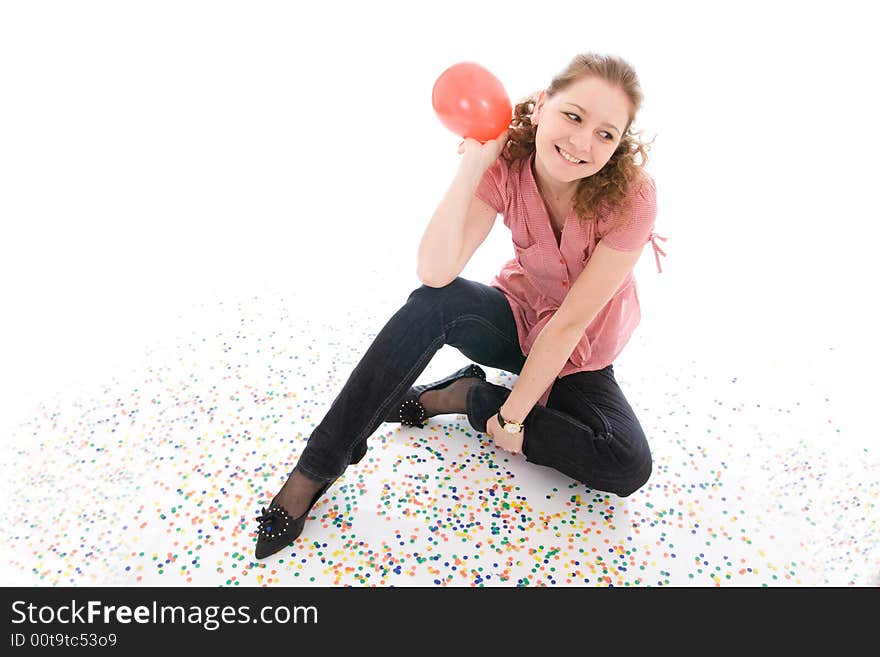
(462,221)
(458,227)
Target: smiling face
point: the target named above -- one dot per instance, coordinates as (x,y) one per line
(583,121)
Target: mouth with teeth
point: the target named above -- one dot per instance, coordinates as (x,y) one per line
(568,157)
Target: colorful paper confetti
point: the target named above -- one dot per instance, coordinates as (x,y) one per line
(155,477)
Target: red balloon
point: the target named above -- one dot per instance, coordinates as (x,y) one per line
(472,102)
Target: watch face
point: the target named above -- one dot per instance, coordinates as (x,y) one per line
(511,428)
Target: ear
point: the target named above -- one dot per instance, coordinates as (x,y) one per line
(540,99)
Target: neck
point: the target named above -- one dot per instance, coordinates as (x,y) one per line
(557,193)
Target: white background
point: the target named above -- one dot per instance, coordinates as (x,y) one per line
(155,154)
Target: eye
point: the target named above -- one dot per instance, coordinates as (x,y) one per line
(608,135)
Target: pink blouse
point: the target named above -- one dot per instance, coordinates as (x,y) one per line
(536,281)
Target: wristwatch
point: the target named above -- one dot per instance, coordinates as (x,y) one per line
(508,426)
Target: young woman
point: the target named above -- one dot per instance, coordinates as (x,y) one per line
(579,209)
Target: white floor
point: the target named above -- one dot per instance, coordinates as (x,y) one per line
(200,239)
(153,476)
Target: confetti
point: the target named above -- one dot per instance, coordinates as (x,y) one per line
(155,477)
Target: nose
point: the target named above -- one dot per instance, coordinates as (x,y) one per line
(580,144)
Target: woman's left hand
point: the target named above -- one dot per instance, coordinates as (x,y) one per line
(509,442)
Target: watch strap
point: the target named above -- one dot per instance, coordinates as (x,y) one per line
(504,422)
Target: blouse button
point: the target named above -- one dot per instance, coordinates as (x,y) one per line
(565,283)
(561,261)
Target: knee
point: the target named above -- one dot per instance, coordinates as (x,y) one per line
(430,297)
(636,477)
(434,290)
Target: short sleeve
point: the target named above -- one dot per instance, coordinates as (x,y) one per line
(492,188)
(636,232)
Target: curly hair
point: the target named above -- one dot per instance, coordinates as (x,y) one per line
(608,188)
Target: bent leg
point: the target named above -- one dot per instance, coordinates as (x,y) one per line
(430,318)
(493,341)
(587,431)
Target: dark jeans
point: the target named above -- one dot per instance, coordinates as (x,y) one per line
(587,431)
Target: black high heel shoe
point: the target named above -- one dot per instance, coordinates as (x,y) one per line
(410,411)
(277,529)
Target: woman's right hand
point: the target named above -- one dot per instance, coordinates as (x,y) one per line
(483,154)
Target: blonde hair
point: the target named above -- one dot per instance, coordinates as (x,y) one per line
(608,188)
